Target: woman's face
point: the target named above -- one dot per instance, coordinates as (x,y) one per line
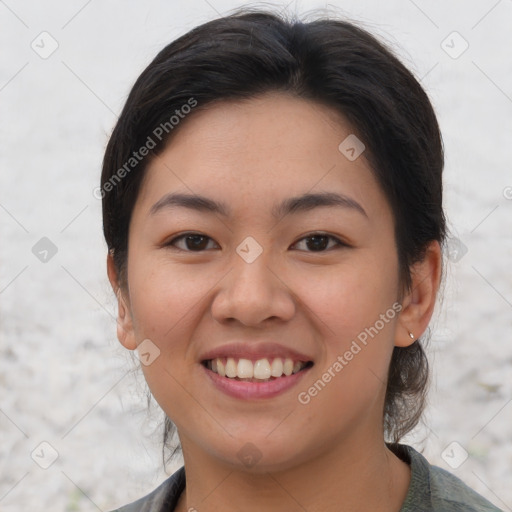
(270,275)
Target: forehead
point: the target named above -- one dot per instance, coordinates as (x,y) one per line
(266,148)
(265,123)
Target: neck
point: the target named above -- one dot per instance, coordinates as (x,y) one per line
(358,475)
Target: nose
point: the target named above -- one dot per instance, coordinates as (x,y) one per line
(253,293)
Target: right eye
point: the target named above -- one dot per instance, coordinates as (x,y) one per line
(193,242)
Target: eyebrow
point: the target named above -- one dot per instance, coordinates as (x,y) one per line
(291,205)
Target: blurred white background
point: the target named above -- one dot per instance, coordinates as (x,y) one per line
(64,378)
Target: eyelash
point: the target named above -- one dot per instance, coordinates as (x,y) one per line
(338,242)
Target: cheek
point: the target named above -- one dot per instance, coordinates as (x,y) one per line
(355,310)
(167,303)
(352,296)
(349,381)
(164,297)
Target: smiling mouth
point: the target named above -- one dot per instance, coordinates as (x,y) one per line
(261,370)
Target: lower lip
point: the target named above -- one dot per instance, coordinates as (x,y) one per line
(254,390)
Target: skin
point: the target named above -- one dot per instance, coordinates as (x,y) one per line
(328,454)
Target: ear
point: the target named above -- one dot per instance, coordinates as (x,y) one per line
(125,332)
(418,303)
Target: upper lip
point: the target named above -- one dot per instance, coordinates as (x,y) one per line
(254,351)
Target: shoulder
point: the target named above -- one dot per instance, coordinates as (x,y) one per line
(163,498)
(433,489)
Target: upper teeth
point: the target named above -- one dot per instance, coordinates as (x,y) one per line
(261,369)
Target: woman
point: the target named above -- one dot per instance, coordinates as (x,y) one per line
(272,205)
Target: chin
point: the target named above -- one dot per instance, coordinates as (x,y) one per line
(261,456)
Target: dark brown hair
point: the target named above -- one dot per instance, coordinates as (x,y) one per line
(329,61)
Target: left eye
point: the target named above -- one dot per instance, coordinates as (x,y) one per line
(319,242)
(315,242)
